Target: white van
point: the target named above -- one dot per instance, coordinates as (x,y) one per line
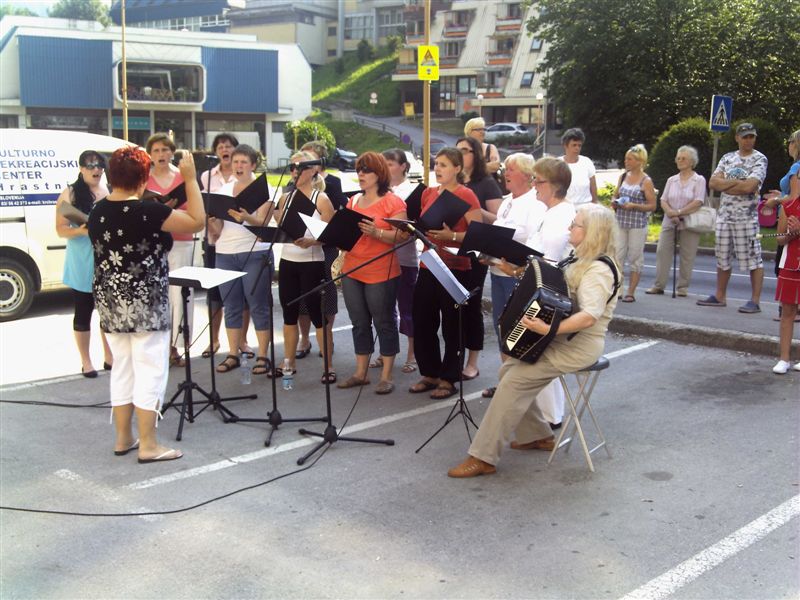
(35,166)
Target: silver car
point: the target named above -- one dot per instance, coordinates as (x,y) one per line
(504,129)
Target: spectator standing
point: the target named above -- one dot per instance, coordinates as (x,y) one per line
(583,188)
(634,200)
(683,194)
(476,128)
(739,177)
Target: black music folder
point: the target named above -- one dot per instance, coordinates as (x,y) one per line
(178,193)
(414,202)
(267,234)
(250,198)
(447,208)
(296,203)
(342,231)
(497,242)
(72,214)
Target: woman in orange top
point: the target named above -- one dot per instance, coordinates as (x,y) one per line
(432,304)
(370,292)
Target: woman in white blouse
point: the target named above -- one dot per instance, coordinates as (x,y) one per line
(683,194)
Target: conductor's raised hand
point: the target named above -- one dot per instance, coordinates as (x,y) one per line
(186,167)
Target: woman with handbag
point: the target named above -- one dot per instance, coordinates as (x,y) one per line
(683,195)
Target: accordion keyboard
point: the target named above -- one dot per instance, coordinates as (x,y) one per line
(519,328)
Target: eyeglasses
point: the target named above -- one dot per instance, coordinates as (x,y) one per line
(94,165)
(479,129)
(574,224)
(365,170)
(466,151)
(540,181)
(294,167)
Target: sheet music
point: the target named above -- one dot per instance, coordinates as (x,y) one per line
(315,226)
(202,277)
(444,276)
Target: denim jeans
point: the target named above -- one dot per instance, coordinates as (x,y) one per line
(368,304)
(234,292)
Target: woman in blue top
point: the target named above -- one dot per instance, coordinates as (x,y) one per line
(87,189)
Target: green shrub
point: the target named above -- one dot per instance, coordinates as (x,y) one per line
(394,42)
(770,142)
(689,132)
(338,65)
(308,131)
(606,193)
(468,115)
(365,51)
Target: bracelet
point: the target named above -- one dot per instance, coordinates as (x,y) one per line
(454,236)
(380,234)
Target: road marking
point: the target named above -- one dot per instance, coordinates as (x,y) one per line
(734,274)
(667,584)
(43,382)
(259,454)
(103,493)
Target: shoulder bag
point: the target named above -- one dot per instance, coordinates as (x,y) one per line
(703,220)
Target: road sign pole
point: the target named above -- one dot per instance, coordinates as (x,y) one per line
(714,153)
(426,105)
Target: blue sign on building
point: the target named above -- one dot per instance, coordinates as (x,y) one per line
(721,113)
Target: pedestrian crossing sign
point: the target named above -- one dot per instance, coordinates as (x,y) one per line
(428,63)
(721,113)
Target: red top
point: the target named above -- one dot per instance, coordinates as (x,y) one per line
(453,262)
(791,251)
(154,186)
(386,267)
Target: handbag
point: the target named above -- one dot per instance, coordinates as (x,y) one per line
(703,220)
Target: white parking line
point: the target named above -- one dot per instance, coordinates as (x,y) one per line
(251,456)
(667,584)
(103,493)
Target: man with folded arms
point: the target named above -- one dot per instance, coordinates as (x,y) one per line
(739,177)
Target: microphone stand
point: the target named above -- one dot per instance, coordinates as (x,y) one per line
(274,416)
(331,434)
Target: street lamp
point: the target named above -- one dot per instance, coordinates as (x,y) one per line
(541,96)
(480,105)
(295,127)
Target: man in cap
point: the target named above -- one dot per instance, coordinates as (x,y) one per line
(739,177)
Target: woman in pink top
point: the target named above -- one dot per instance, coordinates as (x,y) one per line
(164,177)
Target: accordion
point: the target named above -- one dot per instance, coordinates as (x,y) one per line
(542,292)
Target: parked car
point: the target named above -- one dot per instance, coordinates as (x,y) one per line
(436,145)
(344,160)
(502,129)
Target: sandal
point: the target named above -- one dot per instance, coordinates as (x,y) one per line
(230,363)
(329,377)
(279,371)
(409,367)
(262,366)
(176,360)
(352,382)
(422,386)
(628,298)
(377,363)
(443,391)
(248,352)
(303,353)
(384,387)
(488,392)
(207,352)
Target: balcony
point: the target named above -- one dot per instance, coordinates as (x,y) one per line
(500,57)
(406,68)
(415,39)
(508,23)
(448,62)
(455,30)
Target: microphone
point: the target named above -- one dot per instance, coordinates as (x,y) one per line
(312,163)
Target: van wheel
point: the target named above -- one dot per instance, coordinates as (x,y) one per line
(16,289)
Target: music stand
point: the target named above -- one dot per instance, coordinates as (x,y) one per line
(199,278)
(460,296)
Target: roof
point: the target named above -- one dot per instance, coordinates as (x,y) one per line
(137,11)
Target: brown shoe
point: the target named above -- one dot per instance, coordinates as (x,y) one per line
(472,467)
(384,387)
(655,290)
(352,382)
(546,444)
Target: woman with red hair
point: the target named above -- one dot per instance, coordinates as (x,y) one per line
(371,291)
(131,238)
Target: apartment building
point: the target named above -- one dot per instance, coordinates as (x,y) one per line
(487,61)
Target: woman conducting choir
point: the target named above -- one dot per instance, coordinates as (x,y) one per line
(87,189)
(433,306)
(406,255)
(513,409)
(238,249)
(164,177)
(131,239)
(302,265)
(370,292)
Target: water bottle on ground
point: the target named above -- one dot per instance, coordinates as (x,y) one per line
(246,371)
(288,376)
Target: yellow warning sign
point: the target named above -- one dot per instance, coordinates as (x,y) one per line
(428,63)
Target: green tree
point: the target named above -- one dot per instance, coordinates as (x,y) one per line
(365,51)
(89,10)
(626,71)
(20,11)
(309,131)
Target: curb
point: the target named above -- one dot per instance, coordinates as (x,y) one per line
(765,255)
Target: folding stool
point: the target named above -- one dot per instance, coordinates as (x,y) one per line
(587,379)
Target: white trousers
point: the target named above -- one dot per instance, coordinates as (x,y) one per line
(141,368)
(180,256)
(551,402)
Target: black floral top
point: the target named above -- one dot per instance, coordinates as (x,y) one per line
(130,257)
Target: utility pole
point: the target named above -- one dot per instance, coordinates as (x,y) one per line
(426,105)
(124,79)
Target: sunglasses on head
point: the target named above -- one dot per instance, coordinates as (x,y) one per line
(365,170)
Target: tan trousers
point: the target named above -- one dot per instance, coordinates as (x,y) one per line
(688,251)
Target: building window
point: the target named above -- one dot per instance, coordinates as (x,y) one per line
(536,44)
(278,126)
(161,82)
(514,11)
(359,27)
(527,79)
(452,49)
(332,31)
(447,93)
(467,85)
(332,52)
